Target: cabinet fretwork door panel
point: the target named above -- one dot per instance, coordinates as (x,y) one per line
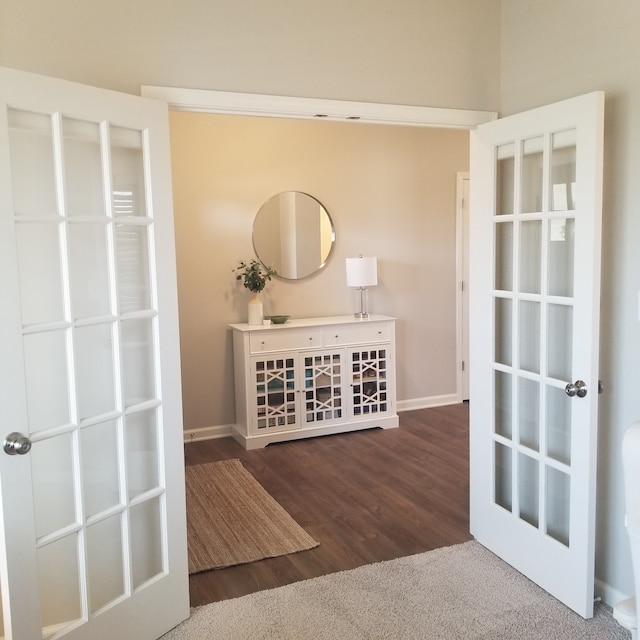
(323,397)
(369,382)
(275,393)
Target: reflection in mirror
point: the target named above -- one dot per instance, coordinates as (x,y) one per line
(293,233)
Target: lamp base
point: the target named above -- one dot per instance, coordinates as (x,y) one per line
(363,312)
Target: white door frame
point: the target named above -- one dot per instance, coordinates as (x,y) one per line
(462,288)
(253,104)
(248,104)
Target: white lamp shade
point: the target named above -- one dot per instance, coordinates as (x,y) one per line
(362,272)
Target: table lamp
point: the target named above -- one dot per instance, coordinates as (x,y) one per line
(362,272)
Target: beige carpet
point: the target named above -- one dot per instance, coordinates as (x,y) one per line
(231,519)
(462,592)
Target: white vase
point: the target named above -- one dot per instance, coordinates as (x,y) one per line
(255,310)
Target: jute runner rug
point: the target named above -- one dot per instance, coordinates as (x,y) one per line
(231,519)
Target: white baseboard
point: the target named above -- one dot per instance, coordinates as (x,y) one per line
(426,403)
(225,430)
(608,594)
(208,433)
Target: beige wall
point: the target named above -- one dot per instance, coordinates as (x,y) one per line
(390,192)
(418,52)
(552,50)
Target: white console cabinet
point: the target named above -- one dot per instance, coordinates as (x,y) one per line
(312,377)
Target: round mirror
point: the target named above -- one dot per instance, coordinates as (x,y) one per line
(293,233)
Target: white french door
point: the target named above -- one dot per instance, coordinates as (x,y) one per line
(535,280)
(92,513)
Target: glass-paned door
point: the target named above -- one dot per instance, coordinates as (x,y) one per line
(323,387)
(276,399)
(93,513)
(535,255)
(369,382)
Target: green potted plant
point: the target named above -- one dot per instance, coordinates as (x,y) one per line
(254,276)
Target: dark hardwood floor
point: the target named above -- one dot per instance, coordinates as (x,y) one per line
(365,497)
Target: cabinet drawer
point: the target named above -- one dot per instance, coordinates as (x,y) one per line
(287,340)
(356,334)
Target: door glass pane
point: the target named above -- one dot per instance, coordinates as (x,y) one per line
(563,171)
(31,144)
(528,478)
(530,336)
(40,272)
(531,185)
(94,370)
(529,413)
(530,256)
(47,382)
(503,404)
(100,468)
(560,341)
(127,166)
(503,476)
(52,465)
(558,502)
(558,425)
(132,256)
(84,193)
(504,256)
(138,375)
(561,256)
(503,325)
(141,433)
(146,541)
(105,562)
(89,270)
(59,584)
(505,179)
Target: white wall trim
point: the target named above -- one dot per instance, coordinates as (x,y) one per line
(608,594)
(208,433)
(253,104)
(462,259)
(427,402)
(226,430)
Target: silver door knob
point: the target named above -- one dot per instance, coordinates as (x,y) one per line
(579,388)
(16,444)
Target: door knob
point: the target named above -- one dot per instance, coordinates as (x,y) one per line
(16,444)
(579,388)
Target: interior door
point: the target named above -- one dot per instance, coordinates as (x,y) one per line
(535,253)
(92,512)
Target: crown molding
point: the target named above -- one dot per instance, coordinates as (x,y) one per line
(252,104)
